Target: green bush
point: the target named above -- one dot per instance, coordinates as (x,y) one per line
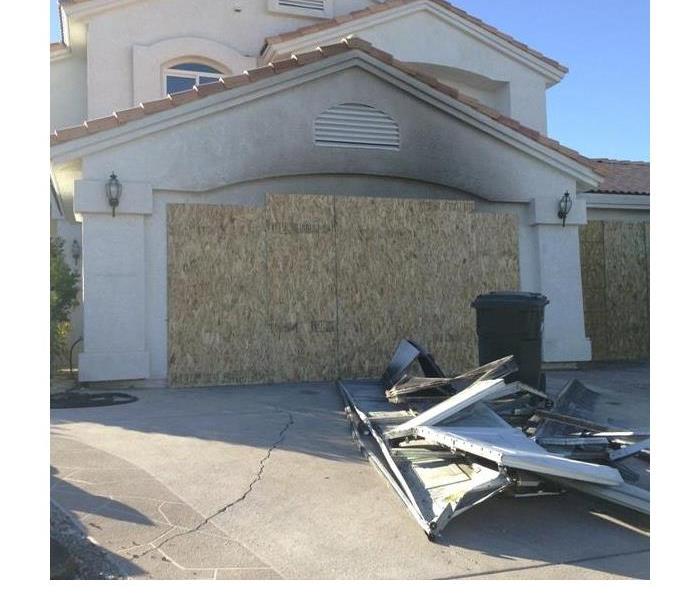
(64,297)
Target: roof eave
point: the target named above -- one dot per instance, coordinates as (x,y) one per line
(84,9)
(552,71)
(85,144)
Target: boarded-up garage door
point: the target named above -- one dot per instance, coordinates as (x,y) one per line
(318,287)
(615,277)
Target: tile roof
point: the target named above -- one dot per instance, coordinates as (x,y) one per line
(622,176)
(349,44)
(57,46)
(390,4)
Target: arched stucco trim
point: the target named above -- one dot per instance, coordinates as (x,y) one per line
(255,189)
(195,58)
(150,61)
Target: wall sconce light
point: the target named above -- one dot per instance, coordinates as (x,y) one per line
(75,252)
(114,191)
(565,203)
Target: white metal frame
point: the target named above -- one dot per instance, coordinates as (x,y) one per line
(196,75)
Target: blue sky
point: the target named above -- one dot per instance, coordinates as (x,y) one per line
(601,108)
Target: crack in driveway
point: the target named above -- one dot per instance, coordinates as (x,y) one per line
(258,476)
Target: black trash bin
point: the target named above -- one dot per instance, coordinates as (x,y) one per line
(511,323)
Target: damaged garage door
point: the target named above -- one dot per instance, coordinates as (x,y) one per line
(320,287)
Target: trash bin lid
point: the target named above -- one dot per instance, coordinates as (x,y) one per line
(511,300)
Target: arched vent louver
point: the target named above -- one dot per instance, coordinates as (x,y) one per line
(304,4)
(354,125)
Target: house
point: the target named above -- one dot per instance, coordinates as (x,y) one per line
(303,182)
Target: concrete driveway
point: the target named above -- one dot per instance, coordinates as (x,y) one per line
(265,482)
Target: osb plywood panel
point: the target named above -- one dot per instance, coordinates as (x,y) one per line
(302,286)
(410,268)
(217,295)
(615,277)
(627,290)
(316,287)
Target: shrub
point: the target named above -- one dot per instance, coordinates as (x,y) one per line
(64,292)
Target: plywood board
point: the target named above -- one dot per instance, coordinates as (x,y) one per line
(410,268)
(302,288)
(615,278)
(217,295)
(316,287)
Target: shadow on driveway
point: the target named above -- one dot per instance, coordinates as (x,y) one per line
(324,512)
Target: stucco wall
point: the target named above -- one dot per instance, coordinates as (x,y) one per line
(113,35)
(118,54)
(68,99)
(435,43)
(239,148)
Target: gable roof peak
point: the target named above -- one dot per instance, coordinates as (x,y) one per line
(396,4)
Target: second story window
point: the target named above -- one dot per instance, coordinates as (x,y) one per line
(184,76)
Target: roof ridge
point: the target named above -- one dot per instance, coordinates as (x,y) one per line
(298,60)
(390,4)
(620,161)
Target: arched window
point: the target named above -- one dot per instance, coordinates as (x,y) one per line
(184,76)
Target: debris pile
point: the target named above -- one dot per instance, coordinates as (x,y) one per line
(446,444)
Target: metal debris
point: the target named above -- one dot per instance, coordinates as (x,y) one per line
(445,444)
(409,388)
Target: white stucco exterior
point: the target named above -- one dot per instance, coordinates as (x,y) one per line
(236,146)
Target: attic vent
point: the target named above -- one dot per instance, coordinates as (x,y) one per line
(303,4)
(354,125)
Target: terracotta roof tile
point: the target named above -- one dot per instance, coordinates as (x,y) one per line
(333,49)
(155,106)
(508,121)
(380,54)
(130,114)
(308,57)
(425,78)
(235,80)
(384,6)
(623,176)
(531,133)
(101,124)
(280,66)
(207,89)
(260,73)
(68,134)
(346,45)
(358,43)
(446,89)
(340,19)
(183,97)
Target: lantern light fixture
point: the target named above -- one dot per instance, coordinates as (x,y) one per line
(75,252)
(565,203)
(114,191)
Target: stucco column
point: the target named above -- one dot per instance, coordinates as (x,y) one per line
(114,282)
(551,265)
